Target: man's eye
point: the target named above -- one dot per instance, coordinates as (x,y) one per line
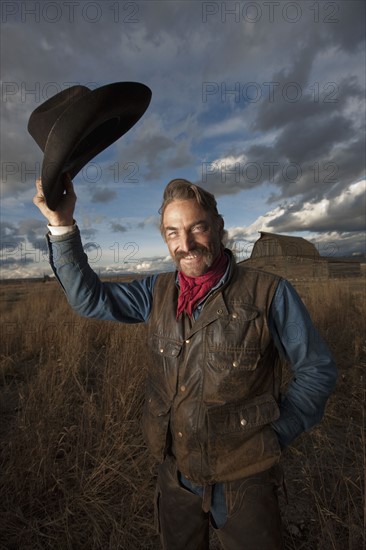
(199,228)
(171,234)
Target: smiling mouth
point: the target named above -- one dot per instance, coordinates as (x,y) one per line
(194,259)
(191,257)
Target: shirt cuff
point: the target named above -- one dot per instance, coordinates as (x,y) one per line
(61,229)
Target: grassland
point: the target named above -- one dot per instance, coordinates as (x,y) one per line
(74,471)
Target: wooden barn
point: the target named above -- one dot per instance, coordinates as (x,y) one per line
(297,258)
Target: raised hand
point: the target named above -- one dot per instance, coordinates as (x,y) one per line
(64,215)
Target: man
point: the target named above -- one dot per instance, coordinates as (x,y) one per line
(214,417)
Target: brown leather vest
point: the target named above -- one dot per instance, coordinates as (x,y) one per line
(213,384)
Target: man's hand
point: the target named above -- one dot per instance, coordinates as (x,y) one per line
(64,215)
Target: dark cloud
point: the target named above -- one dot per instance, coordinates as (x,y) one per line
(342,244)
(348,30)
(290,223)
(22,245)
(7,262)
(34,230)
(118,227)
(9,233)
(318,148)
(290,101)
(312,140)
(29,230)
(103,194)
(88,233)
(153,152)
(150,221)
(11,245)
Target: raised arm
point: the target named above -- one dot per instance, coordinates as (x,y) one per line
(86,293)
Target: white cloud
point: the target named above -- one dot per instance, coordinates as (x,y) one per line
(347,210)
(226,127)
(251,231)
(144,266)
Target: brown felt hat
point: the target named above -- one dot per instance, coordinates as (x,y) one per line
(76,124)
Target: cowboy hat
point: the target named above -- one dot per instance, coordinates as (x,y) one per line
(76,124)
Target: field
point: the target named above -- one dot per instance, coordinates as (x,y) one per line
(74,471)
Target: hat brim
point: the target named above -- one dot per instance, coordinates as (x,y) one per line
(86,128)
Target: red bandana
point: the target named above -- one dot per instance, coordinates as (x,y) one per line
(194,289)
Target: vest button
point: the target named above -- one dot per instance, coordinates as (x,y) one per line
(234,315)
(187,341)
(235,363)
(182,388)
(180,434)
(243,422)
(219,312)
(161,350)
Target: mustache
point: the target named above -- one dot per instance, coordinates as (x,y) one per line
(199,248)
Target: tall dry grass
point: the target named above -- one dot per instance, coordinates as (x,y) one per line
(74,471)
(326,467)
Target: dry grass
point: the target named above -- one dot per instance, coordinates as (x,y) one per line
(74,470)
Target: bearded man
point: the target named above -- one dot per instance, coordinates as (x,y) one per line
(214,418)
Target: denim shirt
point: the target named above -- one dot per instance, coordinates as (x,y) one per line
(296,338)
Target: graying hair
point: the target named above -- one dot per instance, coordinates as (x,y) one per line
(181,189)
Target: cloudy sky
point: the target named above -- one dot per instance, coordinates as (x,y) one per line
(260,102)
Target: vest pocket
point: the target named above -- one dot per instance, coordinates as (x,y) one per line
(241,417)
(165,347)
(240,439)
(155,422)
(224,358)
(233,343)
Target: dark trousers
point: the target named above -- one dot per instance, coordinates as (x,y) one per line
(253,515)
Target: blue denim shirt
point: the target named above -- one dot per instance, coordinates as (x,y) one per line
(296,338)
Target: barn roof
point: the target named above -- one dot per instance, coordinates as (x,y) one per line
(272,244)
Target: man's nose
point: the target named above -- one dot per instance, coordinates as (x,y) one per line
(187,242)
